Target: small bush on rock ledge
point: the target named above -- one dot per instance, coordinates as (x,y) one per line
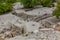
(32,3)
(45,3)
(10,1)
(4,7)
(28,3)
(56,12)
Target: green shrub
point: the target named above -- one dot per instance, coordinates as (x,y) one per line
(28,3)
(58,3)
(4,7)
(10,1)
(45,3)
(18,0)
(56,12)
(1,1)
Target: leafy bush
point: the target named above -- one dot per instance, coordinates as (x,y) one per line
(58,3)
(10,1)
(28,3)
(18,0)
(1,1)
(45,3)
(56,12)
(4,7)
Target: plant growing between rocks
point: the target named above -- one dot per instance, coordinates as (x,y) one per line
(4,7)
(32,3)
(45,3)
(28,3)
(18,0)
(56,12)
(1,1)
(10,1)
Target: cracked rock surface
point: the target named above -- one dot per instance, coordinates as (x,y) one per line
(21,26)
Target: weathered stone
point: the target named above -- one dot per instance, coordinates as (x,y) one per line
(57,27)
(2,39)
(2,35)
(17,5)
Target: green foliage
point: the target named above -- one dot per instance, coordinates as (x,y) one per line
(56,12)
(28,3)
(58,3)
(10,1)
(1,1)
(45,3)
(4,7)
(18,0)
